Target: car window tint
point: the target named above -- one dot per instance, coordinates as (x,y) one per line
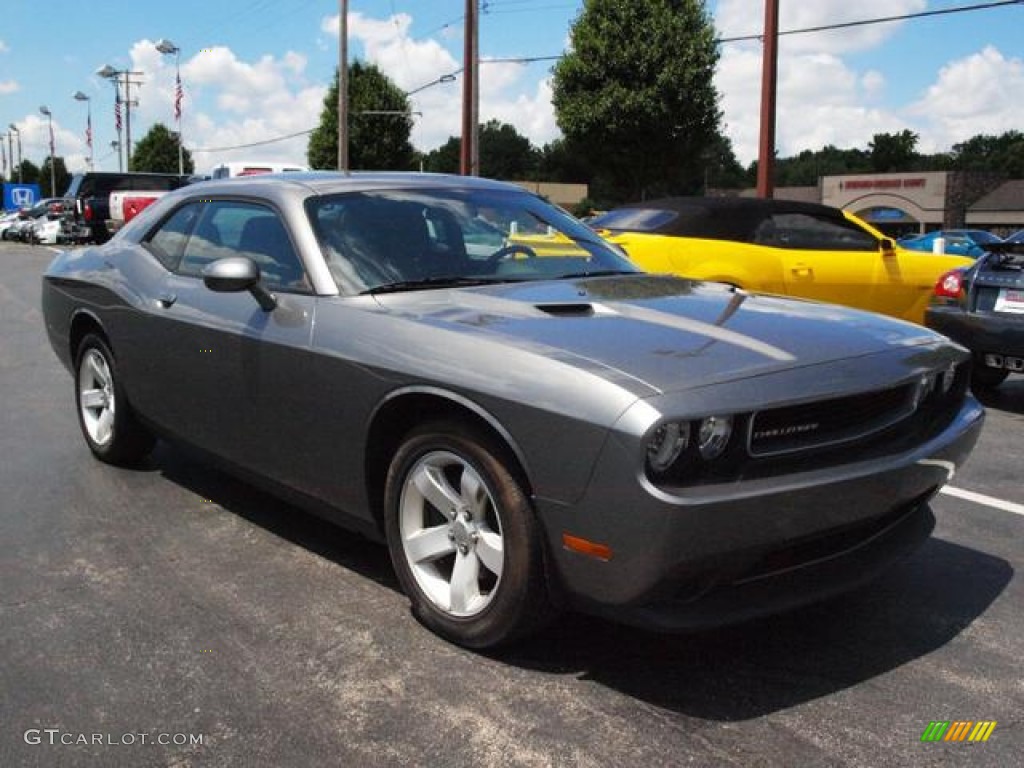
(167,243)
(230,228)
(803,231)
(634,219)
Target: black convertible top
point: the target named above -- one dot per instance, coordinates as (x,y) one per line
(715,218)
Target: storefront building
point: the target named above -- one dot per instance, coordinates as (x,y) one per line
(913,203)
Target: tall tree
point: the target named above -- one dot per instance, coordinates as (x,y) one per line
(1003,154)
(637,90)
(504,154)
(379,124)
(61,177)
(444,159)
(157,152)
(893,151)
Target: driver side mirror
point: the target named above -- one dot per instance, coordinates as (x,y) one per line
(887,246)
(238,273)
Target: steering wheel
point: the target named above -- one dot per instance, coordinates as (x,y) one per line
(509,251)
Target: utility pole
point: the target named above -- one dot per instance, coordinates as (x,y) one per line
(343,86)
(769,70)
(469,160)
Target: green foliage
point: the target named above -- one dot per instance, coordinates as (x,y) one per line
(61,178)
(504,154)
(444,159)
(1002,154)
(893,151)
(376,141)
(29,172)
(637,90)
(157,152)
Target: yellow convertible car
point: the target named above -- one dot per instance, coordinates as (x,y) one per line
(778,246)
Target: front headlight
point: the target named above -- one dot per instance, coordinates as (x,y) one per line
(665,445)
(713,436)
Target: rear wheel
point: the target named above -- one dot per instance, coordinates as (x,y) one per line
(108,425)
(984,377)
(463,538)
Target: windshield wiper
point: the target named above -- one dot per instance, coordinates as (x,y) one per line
(431,282)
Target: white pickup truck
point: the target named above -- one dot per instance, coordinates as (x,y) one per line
(126,205)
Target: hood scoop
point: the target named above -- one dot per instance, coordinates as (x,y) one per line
(568,309)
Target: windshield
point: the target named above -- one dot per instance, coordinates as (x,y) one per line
(409,239)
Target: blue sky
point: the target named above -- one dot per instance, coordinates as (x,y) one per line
(256,70)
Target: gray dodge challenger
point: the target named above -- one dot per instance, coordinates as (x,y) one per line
(459,369)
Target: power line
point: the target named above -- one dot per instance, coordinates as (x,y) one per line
(879,20)
(736,39)
(253,144)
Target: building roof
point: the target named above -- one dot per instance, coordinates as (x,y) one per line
(1008,196)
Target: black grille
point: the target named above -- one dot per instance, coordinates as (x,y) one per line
(828,422)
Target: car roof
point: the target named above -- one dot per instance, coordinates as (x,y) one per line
(330,182)
(726,218)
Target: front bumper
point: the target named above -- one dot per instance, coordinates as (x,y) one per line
(710,555)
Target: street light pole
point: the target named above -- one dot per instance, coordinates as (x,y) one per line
(44,110)
(115,75)
(14,130)
(167,47)
(79,96)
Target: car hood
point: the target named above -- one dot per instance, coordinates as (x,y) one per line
(661,332)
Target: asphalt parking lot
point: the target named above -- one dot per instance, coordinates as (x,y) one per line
(174,616)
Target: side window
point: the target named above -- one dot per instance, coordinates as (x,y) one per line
(168,242)
(802,231)
(230,228)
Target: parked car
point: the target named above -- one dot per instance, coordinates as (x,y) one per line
(91,192)
(778,246)
(254,168)
(961,242)
(982,307)
(7,220)
(1016,237)
(524,432)
(35,222)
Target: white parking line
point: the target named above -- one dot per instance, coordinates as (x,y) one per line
(980,498)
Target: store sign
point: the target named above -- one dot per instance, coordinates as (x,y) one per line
(20,196)
(883,184)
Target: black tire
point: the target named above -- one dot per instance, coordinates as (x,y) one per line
(108,424)
(983,377)
(480,608)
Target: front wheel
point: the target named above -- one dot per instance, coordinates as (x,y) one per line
(108,425)
(463,538)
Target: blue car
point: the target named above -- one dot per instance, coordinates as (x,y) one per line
(961,242)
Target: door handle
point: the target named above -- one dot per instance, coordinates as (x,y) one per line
(802,270)
(167,299)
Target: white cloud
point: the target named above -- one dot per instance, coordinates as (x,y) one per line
(980,93)
(821,99)
(229,102)
(734,18)
(8,86)
(412,64)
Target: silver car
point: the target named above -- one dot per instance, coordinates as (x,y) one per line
(457,368)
